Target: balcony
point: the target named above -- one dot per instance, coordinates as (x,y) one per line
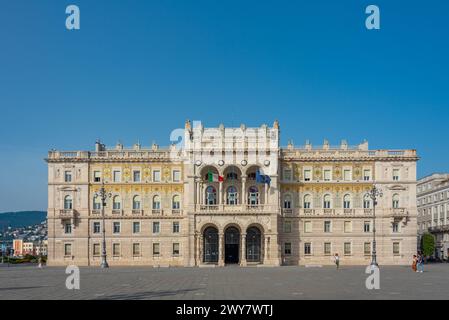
(438,229)
(96,211)
(117,212)
(398,212)
(137,212)
(176,212)
(239,208)
(158,212)
(287,211)
(67,213)
(209,208)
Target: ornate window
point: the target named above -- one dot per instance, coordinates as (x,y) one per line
(232,196)
(307,201)
(366,202)
(347,201)
(136,203)
(176,203)
(116,203)
(287,201)
(68,203)
(287,174)
(232,176)
(253,196)
(211,196)
(156,202)
(327,201)
(97,203)
(395,201)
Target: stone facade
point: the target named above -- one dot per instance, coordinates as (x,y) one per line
(231,195)
(433,211)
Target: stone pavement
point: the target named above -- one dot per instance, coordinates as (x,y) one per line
(228,283)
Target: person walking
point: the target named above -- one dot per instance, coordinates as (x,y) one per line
(414,263)
(337,260)
(420,264)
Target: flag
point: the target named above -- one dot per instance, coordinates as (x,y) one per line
(214,177)
(262,178)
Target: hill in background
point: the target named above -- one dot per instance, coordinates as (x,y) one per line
(21,219)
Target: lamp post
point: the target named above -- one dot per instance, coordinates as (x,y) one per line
(103,196)
(374,193)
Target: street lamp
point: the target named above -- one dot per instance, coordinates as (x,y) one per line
(374,193)
(103,196)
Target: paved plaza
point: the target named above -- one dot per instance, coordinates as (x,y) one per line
(252,283)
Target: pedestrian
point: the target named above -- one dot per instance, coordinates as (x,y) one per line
(337,260)
(420,264)
(414,263)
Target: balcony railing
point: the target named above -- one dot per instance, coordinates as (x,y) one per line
(442,228)
(239,208)
(157,211)
(176,211)
(96,211)
(398,212)
(137,212)
(117,211)
(67,213)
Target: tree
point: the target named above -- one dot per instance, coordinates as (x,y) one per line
(428,244)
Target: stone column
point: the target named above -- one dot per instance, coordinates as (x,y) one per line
(265,249)
(221,253)
(220,193)
(243,250)
(266,193)
(200,249)
(243,200)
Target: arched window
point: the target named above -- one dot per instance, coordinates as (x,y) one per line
(97,203)
(327,201)
(253,196)
(307,201)
(176,203)
(68,203)
(232,176)
(366,202)
(347,201)
(116,203)
(136,203)
(287,201)
(232,196)
(395,201)
(211,196)
(156,202)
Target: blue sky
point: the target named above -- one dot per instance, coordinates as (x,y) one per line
(138,69)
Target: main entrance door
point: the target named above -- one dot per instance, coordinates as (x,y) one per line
(232,245)
(211,245)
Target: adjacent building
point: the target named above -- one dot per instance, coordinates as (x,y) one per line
(231,195)
(433,211)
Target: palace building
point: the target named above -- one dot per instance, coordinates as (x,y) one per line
(231,196)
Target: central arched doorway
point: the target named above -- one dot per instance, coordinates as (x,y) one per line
(210,245)
(232,245)
(253,244)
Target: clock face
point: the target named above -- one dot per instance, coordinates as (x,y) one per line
(244,162)
(267,163)
(198,163)
(221,163)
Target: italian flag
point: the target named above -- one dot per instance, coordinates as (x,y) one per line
(214,177)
